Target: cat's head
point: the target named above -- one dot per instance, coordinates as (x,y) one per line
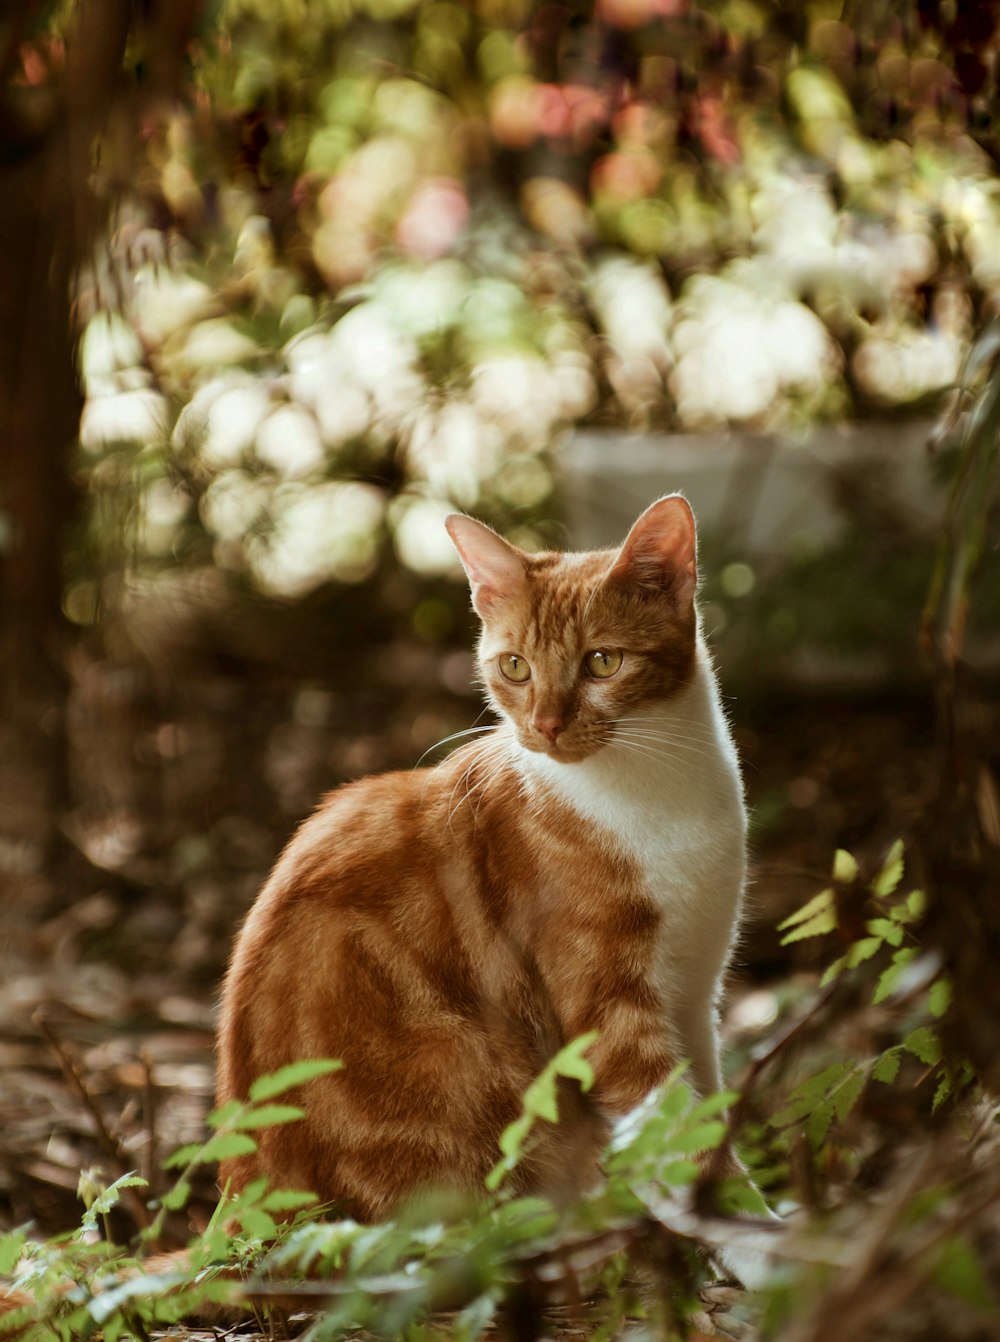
(573,643)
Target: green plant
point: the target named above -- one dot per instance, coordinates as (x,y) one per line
(880,925)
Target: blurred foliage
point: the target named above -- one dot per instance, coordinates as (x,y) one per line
(373,255)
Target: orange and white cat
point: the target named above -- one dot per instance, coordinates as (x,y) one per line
(444,932)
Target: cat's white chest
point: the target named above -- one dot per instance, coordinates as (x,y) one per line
(676,810)
(670,796)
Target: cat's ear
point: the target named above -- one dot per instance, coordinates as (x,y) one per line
(660,552)
(495,568)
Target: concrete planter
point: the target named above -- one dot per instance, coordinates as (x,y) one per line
(816,551)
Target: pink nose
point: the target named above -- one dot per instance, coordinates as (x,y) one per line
(548,727)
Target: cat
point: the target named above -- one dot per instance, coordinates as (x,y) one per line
(445,931)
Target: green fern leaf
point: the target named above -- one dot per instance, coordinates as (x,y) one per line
(892,871)
(295,1074)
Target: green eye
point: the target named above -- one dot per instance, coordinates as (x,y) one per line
(514,667)
(602,664)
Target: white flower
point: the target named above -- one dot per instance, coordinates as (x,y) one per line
(633,307)
(739,347)
(453,448)
(321,532)
(138,416)
(232,503)
(211,344)
(109,347)
(166,301)
(900,366)
(421,540)
(222,418)
(519,393)
(289,442)
(318,378)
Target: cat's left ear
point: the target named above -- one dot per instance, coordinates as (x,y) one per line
(660,552)
(494,567)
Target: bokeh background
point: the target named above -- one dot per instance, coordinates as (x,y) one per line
(283,282)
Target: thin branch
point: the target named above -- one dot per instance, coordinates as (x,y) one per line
(108,1142)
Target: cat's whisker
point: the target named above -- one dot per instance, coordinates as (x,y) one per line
(690,725)
(646,753)
(493,756)
(667,743)
(678,729)
(668,738)
(484,786)
(455,736)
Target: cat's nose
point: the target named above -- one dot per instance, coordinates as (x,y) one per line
(548,727)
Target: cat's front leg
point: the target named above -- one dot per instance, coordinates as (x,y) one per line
(631,1056)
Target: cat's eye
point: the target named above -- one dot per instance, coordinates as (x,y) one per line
(514,667)
(602,663)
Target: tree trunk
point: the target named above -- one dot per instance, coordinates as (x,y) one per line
(48,218)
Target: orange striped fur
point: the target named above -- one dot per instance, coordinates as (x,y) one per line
(446,931)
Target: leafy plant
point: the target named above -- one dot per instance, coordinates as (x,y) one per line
(886,948)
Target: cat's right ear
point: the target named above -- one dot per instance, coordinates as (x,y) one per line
(494,567)
(660,552)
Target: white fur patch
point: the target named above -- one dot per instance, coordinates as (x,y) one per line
(668,791)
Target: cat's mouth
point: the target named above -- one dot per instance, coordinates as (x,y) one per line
(566,749)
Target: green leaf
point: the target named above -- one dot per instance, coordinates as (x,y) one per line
(227,1145)
(254,1190)
(810,1093)
(268,1116)
(845,869)
(823,900)
(890,978)
(182,1156)
(833,970)
(11,1247)
(146,1286)
(924,1044)
(939,997)
(679,1173)
(702,1137)
(822,1098)
(540,1097)
(713,1104)
(944,1088)
(863,949)
(892,871)
(220,1117)
(838,1104)
(295,1074)
(959,1271)
(886,930)
(108,1198)
(817,926)
(739,1195)
(257,1223)
(916,904)
(846,1095)
(476,1317)
(176,1198)
(569,1061)
(514,1134)
(887,1066)
(540,1102)
(288,1200)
